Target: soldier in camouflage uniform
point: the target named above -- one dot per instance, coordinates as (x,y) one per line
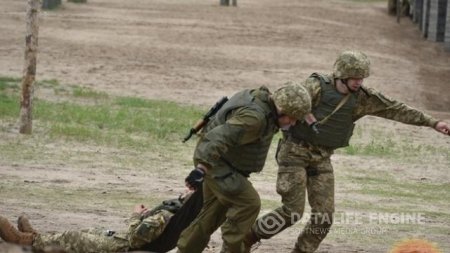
(144,227)
(232,145)
(304,155)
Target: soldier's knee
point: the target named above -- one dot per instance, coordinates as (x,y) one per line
(254,204)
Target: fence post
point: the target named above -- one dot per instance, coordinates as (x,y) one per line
(29,73)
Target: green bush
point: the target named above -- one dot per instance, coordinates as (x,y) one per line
(50,4)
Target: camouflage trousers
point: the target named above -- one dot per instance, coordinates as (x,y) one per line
(234,212)
(302,169)
(140,232)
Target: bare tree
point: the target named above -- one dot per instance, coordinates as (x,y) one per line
(29,72)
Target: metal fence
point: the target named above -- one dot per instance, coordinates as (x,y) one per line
(433,19)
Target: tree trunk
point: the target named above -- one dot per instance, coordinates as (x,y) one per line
(225,2)
(29,72)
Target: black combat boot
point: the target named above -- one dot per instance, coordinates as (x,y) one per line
(10,234)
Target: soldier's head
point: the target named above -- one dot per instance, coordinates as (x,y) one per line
(293,102)
(351,67)
(171,205)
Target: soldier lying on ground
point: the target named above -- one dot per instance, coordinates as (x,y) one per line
(155,230)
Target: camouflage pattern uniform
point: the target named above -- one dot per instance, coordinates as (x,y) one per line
(141,231)
(234,144)
(304,165)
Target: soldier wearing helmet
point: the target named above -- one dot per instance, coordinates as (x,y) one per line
(233,145)
(154,230)
(338,100)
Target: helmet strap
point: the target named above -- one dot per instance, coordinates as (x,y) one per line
(345,82)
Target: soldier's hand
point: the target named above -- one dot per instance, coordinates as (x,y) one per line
(195,178)
(442,127)
(140,209)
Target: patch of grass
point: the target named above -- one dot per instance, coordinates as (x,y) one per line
(389,187)
(9,106)
(51,83)
(117,121)
(85,92)
(7,79)
(106,122)
(387,147)
(9,83)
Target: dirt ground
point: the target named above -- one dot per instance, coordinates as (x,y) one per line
(195,51)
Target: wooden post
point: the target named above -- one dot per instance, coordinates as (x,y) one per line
(225,2)
(29,72)
(398,7)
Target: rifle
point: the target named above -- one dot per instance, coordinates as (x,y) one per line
(201,123)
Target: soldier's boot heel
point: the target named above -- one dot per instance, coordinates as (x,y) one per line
(10,234)
(24,225)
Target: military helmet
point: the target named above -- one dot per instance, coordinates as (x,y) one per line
(351,64)
(293,100)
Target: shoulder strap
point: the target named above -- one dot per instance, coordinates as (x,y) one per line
(341,103)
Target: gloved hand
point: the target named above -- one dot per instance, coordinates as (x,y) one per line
(195,178)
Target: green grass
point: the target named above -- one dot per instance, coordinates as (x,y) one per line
(9,106)
(9,83)
(383,143)
(109,120)
(390,148)
(88,93)
(51,83)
